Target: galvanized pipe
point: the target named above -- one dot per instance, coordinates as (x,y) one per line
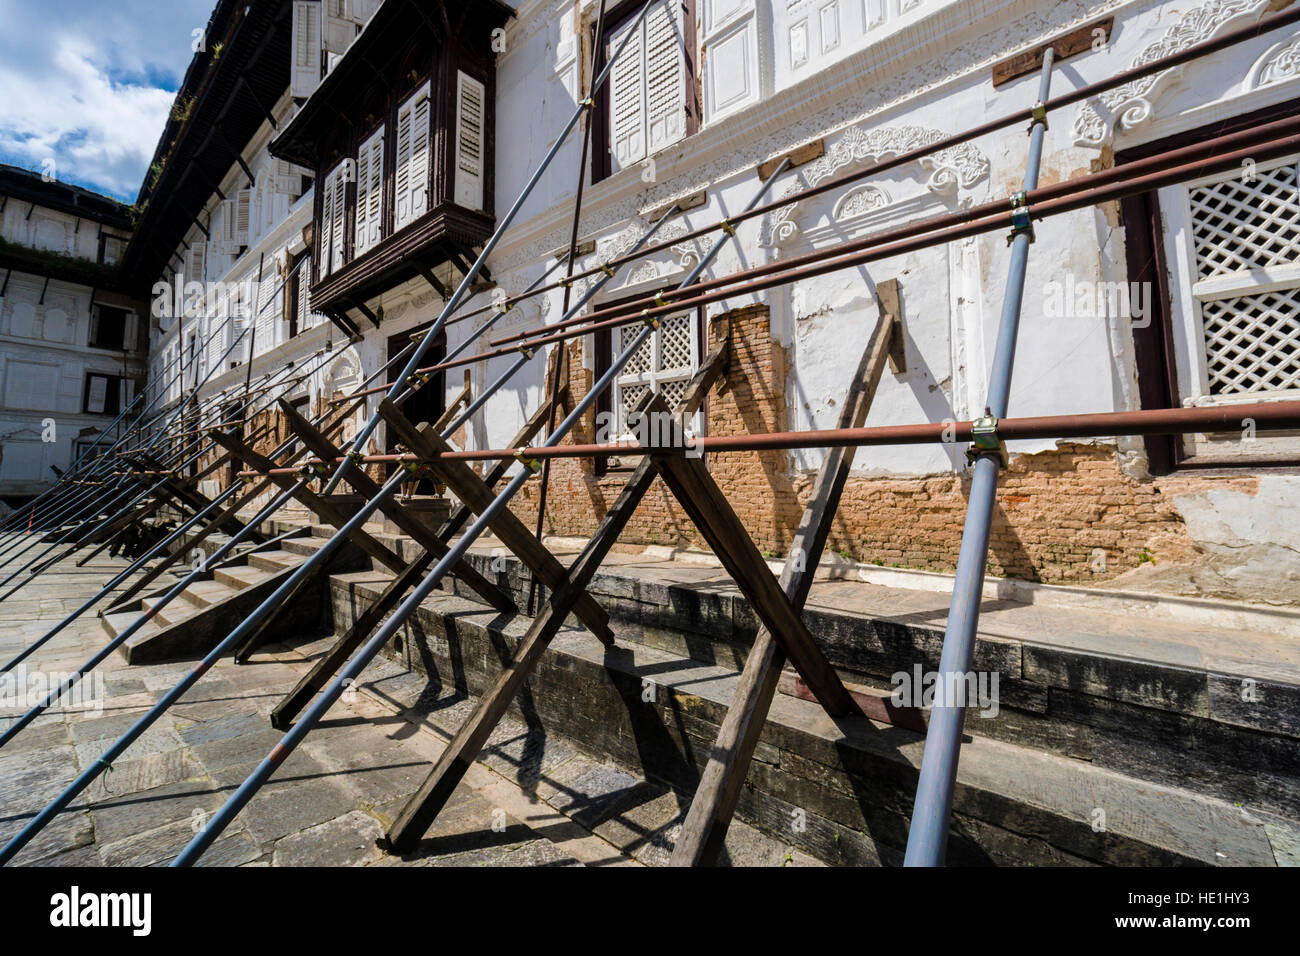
(927,839)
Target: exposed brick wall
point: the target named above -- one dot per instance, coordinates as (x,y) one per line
(1056,510)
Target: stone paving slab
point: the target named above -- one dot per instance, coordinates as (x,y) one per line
(532,799)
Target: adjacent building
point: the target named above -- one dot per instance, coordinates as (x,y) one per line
(72,338)
(338,165)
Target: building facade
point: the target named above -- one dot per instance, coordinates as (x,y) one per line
(338,166)
(72,340)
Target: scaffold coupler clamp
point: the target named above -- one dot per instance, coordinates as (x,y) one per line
(1021,222)
(418,380)
(726,226)
(527,351)
(313,469)
(1039,113)
(648,319)
(532,464)
(606,268)
(985,438)
(412,467)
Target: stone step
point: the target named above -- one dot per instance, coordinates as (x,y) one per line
(115,624)
(854,781)
(207,593)
(306,546)
(274,560)
(241,576)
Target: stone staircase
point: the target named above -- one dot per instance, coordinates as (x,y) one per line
(210,607)
(1111,748)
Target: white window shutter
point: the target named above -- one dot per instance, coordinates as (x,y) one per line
(370,192)
(98,394)
(338,225)
(195,261)
(326,220)
(471,114)
(402,183)
(305,75)
(360,11)
(288,178)
(223,229)
(362,233)
(627,98)
(411,190)
(665,71)
(420,155)
(243,211)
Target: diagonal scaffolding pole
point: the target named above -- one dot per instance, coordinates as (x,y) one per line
(927,839)
(327,697)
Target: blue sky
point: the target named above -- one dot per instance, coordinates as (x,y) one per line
(88,84)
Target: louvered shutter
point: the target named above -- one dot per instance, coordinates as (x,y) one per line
(627,97)
(305,75)
(411,190)
(326,222)
(370,192)
(243,211)
(402,181)
(333,220)
(362,10)
(264,332)
(420,155)
(470,141)
(665,74)
(338,225)
(288,178)
(223,229)
(195,261)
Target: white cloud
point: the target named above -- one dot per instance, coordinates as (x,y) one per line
(89,84)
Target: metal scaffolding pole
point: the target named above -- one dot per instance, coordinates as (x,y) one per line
(927,840)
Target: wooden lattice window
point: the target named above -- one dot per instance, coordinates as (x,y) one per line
(1245,232)
(664,363)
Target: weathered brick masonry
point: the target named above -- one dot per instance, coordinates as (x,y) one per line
(1057,511)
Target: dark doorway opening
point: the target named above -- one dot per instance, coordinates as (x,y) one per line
(426,405)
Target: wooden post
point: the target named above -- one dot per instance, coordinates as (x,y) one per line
(423,808)
(705,828)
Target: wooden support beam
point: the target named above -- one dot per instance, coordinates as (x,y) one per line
(423,808)
(454,406)
(891,311)
(327,510)
(326,667)
(705,828)
(706,505)
(470,489)
(364,485)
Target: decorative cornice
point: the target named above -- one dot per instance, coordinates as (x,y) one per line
(883,77)
(959,167)
(1128,106)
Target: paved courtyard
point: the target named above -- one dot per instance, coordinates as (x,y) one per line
(532,799)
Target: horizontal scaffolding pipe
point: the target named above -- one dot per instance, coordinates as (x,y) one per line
(1056,199)
(1264,416)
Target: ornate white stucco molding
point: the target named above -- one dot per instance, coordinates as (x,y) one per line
(1279,64)
(1128,106)
(952,171)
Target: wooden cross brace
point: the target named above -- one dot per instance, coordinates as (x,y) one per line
(705,828)
(366,486)
(423,808)
(323,671)
(470,489)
